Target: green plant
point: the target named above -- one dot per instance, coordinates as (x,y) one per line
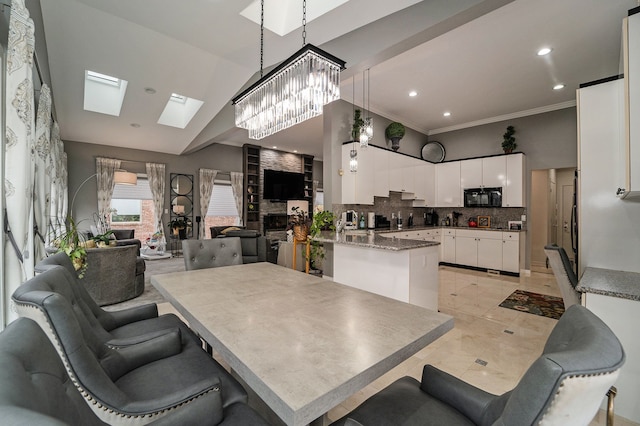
(103,238)
(358,122)
(322,221)
(71,242)
(509,142)
(394,130)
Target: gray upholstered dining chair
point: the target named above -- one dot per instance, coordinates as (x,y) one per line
(564,386)
(565,277)
(202,254)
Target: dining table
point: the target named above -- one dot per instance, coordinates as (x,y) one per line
(302,343)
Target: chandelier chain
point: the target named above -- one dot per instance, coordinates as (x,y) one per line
(261,37)
(304,22)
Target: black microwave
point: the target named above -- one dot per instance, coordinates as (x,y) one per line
(483,197)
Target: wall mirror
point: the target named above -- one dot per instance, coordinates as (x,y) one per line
(181,196)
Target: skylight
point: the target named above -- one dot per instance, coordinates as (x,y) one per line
(179,111)
(103,93)
(284,16)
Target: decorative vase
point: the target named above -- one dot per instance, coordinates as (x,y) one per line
(395,143)
(300,232)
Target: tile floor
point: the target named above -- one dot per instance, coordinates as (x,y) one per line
(489,347)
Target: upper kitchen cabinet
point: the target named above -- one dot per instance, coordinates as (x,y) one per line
(425,185)
(381,172)
(630,182)
(488,172)
(401,174)
(358,187)
(513,194)
(448,189)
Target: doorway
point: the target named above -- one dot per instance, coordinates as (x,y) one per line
(550,214)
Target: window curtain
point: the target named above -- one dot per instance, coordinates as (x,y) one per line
(207,179)
(238,193)
(156,176)
(43,170)
(19,153)
(105,170)
(55,219)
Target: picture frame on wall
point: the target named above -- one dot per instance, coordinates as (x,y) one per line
(484,221)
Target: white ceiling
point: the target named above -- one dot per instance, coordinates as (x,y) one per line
(475,58)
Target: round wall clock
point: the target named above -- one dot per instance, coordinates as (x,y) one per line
(433,151)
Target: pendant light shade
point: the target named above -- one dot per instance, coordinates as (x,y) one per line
(124,177)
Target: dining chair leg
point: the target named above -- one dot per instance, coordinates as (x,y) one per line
(611,394)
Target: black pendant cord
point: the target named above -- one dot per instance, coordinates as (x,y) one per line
(261,37)
(304,22)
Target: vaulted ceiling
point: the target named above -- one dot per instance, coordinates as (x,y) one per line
(474,58)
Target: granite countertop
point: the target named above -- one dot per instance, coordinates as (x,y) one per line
(372,240)
(426,228)
(607,282)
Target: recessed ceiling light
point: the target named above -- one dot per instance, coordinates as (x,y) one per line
(295,151)
(274,147)
(558,86)
(413,93)
(150,90)
(447,114)
(544,51)
(136,125)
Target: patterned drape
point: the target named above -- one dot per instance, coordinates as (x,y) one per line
(105,170)
(19,151)
(63,207)
(238,193)
(156,176)
(207,179)
(43,172)
(54,218)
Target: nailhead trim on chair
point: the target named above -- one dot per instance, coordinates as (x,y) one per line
(103,412)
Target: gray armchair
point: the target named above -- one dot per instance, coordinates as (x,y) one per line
(37,391)
(563,271)
(254,245)
(125,380)
(564,386)
(202,254)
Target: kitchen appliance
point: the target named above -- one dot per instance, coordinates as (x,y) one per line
(350,219)
(371,220)
(473,222)
(382,222)
(483,197)
(431,218)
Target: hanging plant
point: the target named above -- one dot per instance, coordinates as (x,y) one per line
(358,122)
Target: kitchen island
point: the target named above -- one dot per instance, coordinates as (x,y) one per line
(402,269)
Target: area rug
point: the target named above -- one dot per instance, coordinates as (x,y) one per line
(535,303)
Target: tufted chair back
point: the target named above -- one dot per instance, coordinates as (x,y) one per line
(565,277)
(202,254)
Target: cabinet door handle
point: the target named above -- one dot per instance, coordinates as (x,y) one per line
(620,191)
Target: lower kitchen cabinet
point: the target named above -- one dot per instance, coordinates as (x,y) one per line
(448,246)
(481,249)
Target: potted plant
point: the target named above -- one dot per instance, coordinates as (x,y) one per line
(394,132)
(299,223)
(71,242)
(358,122)
(103,240)
(179,226)
(509,142)
(322,221)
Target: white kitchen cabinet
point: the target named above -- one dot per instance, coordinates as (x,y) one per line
(471,173)
(466,248)
(448,190)
(400,173)
(494,171)
(381,172)
(511,252)
(448,253)
(629,183)
(489,172)
(513,193)
(482,249)
(357,188)
(425,185)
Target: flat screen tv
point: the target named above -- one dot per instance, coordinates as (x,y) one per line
(282,186)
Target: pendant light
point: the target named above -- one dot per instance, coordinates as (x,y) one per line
(353,154)
(366,131)
(294,91)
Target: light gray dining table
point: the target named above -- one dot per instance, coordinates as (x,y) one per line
(302,343)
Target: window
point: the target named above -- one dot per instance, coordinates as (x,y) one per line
(133,205)
(222,207)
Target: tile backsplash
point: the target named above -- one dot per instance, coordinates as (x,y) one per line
(499,216)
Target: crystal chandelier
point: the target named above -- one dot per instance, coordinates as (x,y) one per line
(294,91)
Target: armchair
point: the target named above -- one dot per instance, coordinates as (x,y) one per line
(565,385)
(36,389)
(135,380)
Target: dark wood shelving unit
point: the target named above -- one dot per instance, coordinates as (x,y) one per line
(251,170)
(307,170)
